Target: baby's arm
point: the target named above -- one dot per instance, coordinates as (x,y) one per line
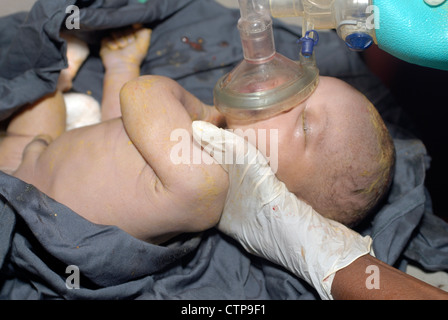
(152,108)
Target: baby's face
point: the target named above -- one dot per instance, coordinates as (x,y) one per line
(334,119)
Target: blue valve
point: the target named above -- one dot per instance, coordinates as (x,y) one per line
(308,43)
(358,41)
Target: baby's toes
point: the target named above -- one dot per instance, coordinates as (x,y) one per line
(123,38)
(109,43)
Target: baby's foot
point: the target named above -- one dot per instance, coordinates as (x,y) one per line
(125,48)
(77,53)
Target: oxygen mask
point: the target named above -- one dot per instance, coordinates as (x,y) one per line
(265,83)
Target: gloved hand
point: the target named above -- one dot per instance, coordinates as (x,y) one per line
(269,221)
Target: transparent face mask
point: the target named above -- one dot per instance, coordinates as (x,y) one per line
(258,91)
(266,83)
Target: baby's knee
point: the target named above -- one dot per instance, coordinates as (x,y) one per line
(30,156)
(35,148)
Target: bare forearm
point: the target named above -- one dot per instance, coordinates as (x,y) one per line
(368,278)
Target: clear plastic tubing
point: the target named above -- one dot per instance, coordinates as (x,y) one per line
(255,26)
(352,19)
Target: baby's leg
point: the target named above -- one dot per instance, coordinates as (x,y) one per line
(30,155)
(77,53)
(122,54)
(44,117)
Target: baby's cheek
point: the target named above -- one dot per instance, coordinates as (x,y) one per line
(286,171)
(295,170)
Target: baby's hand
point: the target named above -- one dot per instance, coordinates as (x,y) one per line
(125,47)
(213,116)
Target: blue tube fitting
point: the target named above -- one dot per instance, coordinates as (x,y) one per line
(358,41)
(308,43)
(414,31)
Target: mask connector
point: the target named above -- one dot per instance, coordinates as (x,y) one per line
(307,43)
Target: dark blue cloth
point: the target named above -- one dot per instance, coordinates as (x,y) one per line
(40,237)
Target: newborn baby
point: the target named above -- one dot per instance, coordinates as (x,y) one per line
(117,172)
(334,151)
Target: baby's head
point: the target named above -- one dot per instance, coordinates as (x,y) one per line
(334,151)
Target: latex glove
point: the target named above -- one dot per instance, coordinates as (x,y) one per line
(269,221)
